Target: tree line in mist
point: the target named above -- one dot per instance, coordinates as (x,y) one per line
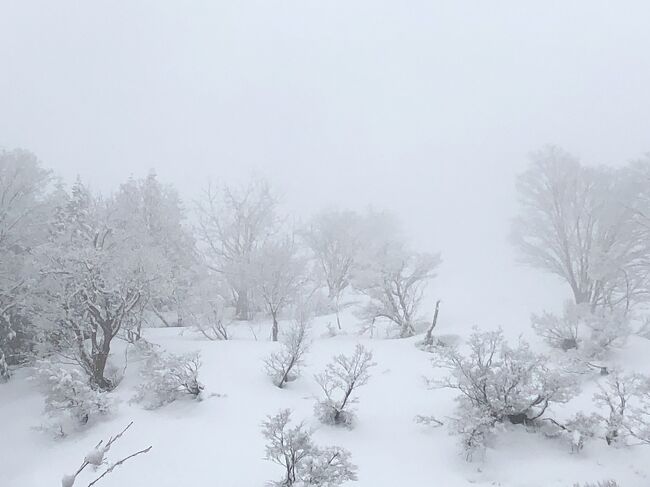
(79,268)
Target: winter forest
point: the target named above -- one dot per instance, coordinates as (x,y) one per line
(247,265)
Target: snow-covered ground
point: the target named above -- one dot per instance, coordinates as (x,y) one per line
(217,442)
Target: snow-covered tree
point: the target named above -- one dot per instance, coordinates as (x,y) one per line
(153,213)
(339,383)
(95,274)
(394,279)
(580,223)
(335,239)
(284,366)
(25,206)
(167,376)
(279,275)
(304,463)
(233,223)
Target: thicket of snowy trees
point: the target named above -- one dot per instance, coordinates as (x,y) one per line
(82,269)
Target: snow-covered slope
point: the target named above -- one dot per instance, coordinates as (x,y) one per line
(217,442)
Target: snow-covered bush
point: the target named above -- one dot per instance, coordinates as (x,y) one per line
(624,402)
(304,463)
(341,378)
(284,366)
(474,426)
(509,383)
(167,376)
(574,431)
(97,457)
(590,331)
(499,383)
(70,401)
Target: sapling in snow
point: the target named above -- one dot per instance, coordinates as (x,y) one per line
(284,366)
(304,463)
(167,376)
(339,382)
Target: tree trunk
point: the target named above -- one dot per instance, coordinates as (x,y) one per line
(242,307)
(4,368)
(99,358)
(99,366)
(338,320)
(428,339)
(274,330)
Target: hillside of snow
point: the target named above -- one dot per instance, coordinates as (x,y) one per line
(217,441)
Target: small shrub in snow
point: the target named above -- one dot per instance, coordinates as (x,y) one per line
(70,401)
(304,463)
(167,376)
(97,457)
(284,366)
(499,383)
(624,401)
(474,427)
(590,331)
(208,314)
(339,381)
(575,431)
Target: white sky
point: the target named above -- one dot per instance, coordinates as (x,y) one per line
(426,108)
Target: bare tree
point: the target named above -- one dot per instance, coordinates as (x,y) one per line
(394,280)
(335,238)
(580,223)
(342,377)
(279,275)
(233,224)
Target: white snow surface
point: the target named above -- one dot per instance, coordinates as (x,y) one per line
(217,441)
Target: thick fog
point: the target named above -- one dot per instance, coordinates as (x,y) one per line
(426,109)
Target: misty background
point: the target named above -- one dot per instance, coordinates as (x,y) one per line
(426,109)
